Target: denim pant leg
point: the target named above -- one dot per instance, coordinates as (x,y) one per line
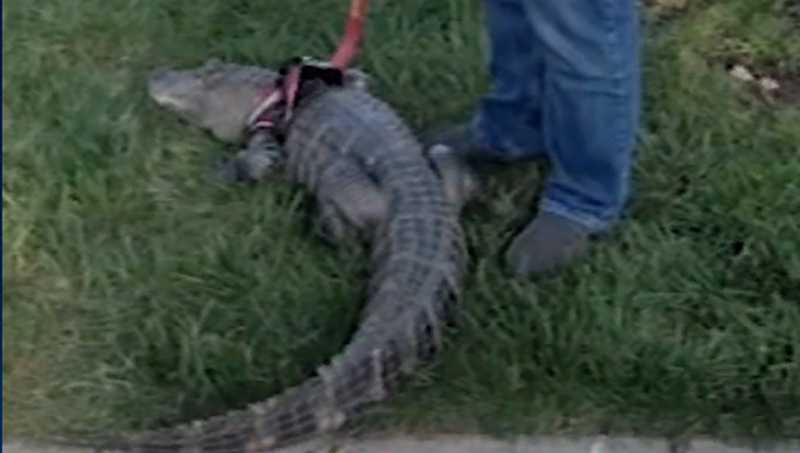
(508,121)
(590,104)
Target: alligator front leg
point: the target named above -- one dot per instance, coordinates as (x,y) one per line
(252,164)
(351,205)
(332,226)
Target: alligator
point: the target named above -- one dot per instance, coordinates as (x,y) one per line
(372,179)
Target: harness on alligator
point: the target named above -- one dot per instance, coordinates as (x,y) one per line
(266,125)
(279,99)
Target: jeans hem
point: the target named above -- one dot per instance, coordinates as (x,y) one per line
(499,149)
(592,223)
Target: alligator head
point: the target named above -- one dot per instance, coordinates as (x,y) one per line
(217,96)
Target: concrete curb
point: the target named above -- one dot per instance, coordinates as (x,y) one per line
(480,444)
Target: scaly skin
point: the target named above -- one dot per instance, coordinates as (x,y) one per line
(369,173)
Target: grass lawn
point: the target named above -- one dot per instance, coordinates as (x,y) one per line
(138,293)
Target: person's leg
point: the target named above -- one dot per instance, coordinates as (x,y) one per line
(591,107)
(507,125)
(509,117)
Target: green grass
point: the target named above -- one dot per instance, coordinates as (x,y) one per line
(138,294)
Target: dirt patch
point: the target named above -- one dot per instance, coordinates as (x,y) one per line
(770,84)
(789,93)
(666,5)
(664,10)
(777,82)
(789,88)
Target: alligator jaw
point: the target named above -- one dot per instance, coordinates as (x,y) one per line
(176,91)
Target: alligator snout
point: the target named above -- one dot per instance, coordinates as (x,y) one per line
(155,82)
(158,80)
(173,89)
(158,73)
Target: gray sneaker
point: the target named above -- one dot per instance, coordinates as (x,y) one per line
(548,244)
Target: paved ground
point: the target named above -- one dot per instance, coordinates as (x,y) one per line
(475,444)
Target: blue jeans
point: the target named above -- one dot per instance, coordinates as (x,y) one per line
(566,86)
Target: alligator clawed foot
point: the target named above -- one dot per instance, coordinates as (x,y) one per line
(223,170)
(461,183)
(251,165)
(332,227)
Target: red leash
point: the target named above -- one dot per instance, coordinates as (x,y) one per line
(354,32)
